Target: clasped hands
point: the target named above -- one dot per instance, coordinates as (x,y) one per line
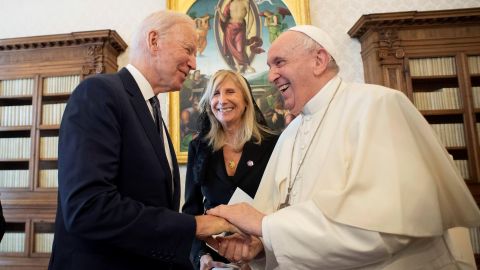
(243,225)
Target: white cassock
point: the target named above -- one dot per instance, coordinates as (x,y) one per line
(376,189)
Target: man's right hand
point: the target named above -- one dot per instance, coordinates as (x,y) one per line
(240,249)
(208,225)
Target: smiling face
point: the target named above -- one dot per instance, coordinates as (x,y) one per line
(228,103)
(292,70)
(174,57)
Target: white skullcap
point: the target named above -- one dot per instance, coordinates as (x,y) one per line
(320,36)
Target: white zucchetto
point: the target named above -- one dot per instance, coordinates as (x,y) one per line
(320,36)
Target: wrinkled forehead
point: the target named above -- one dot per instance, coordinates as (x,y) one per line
(288,44)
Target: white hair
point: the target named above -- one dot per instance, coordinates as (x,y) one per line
(161,22)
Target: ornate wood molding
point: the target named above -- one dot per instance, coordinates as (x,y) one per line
(92,52)
(409,18)
(109,37)
(95,62)
(389,45)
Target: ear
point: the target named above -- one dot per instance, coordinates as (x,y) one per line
(322,58)
(153,41)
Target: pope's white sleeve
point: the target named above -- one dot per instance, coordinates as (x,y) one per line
(301,237)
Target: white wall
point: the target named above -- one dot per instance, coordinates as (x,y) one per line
(42,17)
(338,16)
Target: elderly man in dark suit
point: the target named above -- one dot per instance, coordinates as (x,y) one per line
(118,176)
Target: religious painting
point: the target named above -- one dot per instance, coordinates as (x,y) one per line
(235,35)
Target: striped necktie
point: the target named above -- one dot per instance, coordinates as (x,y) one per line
(157,114)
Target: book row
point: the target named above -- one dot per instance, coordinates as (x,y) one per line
(48,147)
(474,64)
(13,242)
(439,66)
(48,178)
(451,135)
(15,148)
(20,178)
(14,178)
(475,239)
(51,86)
(19,147)
(22,115)
(441,99)
(60,85)
(16,115)
(478,130)
(52,113)
(462,166)
(476,96)
(17,87)
(43,242)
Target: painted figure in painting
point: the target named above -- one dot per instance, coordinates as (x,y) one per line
(201,27)
(274,22)
(236,22)
(190,96)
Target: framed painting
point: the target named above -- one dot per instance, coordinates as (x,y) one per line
(219,26)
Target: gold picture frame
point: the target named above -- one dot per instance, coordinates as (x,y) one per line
(298,12)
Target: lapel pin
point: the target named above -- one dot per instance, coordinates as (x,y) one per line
(249,163)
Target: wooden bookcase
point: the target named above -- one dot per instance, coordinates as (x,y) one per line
(37,75)
(434,58)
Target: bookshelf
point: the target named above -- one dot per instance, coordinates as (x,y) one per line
(434,58)
(37,76)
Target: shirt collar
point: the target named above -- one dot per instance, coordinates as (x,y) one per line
(143,84)
(322,98)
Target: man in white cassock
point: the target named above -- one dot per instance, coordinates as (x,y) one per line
(357,181)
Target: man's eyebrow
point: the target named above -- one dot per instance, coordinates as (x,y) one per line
(189,45)
(276,58)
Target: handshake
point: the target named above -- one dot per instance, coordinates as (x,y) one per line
(243,226)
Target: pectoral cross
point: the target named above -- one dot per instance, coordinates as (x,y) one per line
(286,203)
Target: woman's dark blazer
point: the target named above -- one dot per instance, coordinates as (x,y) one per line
(203,192)
(118,201)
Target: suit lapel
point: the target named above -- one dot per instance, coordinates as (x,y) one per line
(138,103)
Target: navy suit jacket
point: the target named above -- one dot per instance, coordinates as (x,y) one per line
(116,208)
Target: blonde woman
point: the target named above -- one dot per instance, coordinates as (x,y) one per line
(230,152)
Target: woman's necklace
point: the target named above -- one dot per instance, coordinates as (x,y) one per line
(230,155)
(290,186)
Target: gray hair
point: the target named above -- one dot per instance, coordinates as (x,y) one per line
(161,22)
